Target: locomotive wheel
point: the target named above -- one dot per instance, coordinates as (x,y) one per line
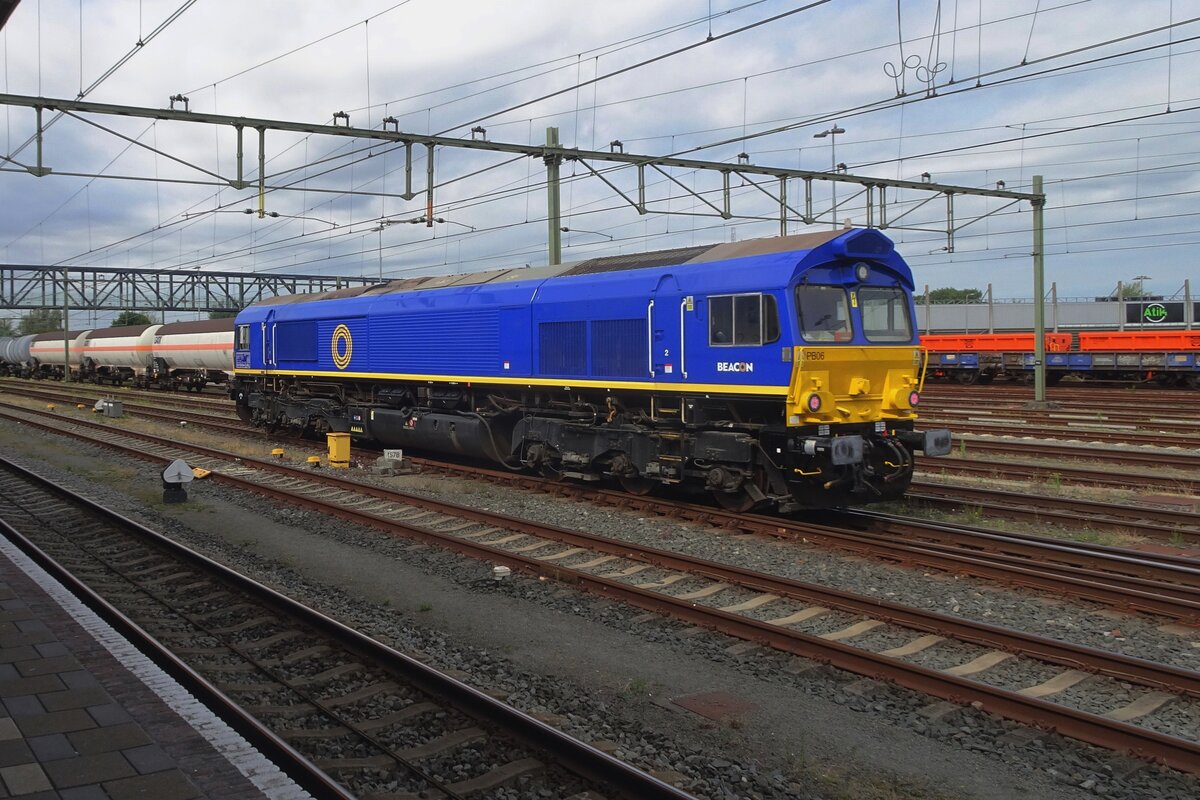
(637,485)
(966,377)
(738,502)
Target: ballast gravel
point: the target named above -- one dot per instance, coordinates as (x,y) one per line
(710,759)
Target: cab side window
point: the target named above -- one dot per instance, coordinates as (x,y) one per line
(742,320)
(243,338)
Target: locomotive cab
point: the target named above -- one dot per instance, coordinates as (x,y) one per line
(857,373)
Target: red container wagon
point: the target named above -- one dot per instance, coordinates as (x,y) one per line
(1170,358)
(981,357)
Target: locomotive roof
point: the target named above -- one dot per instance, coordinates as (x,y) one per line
(657,258)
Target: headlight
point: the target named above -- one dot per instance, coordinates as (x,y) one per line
(862,271)
(814,402)
(914,399)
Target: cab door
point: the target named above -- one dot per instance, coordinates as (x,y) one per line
(269,347)
(665,317)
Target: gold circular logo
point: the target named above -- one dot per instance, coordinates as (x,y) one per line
(341,346)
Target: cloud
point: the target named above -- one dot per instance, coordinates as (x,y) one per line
(1120,195)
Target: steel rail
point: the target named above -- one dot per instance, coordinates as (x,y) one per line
(1083,475)
(582,758)
(1160,524)
(1172,751)
(1068,433)
(1041,448)
(74,392)
(1092,396)
(1115,414)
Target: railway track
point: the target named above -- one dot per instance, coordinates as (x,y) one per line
(941,655)
(1059,474)
(1072,452)
(1170,527)
(1165,526)
(345,715)
(1137,420)
(1156,399)
(1118,434)
(91,392)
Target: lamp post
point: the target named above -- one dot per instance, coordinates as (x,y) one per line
(1139,282)
(832,134)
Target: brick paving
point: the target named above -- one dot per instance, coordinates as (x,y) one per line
(75,724)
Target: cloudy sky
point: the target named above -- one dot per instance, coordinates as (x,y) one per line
(1098,96)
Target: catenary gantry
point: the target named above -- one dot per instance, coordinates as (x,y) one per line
(24,286)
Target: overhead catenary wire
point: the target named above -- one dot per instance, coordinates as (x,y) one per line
(133,51)
(913,156)
(640,64)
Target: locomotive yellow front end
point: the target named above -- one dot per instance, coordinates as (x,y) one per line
(850,423)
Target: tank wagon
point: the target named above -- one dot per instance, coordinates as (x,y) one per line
(177,355)
(777,371)
(14,353)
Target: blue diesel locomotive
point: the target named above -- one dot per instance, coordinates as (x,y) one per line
(778,371)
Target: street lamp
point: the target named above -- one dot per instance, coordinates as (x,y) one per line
(832,134)
(1139,282)
(580,230)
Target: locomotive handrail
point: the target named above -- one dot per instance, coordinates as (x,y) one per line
(650,338)
(274,339)
(264,342)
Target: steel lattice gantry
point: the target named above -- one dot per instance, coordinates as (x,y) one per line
(771,181)
(24,286)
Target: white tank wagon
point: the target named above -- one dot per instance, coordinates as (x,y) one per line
(192,354)
(117,355)
(46,352)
